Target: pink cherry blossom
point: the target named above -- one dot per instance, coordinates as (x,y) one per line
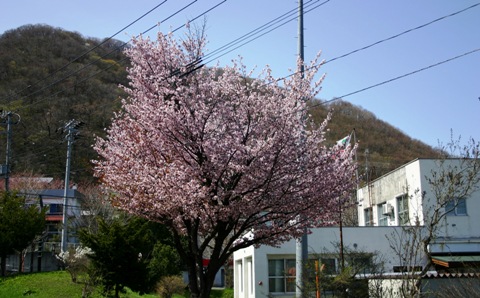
(216,155)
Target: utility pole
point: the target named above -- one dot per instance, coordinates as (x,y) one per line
(40,244)
(72,130)
(5,170)
(302,242)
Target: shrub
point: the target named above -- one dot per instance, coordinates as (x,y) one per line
(170,285)
(75,261)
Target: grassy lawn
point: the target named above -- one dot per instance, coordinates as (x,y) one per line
(47,285)
(58,284)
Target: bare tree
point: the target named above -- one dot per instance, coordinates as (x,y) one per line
(454,179)
(94,205)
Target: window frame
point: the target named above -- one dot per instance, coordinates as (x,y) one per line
(382,218)
(368,216)
(452,207)
(287,277)
(403,213)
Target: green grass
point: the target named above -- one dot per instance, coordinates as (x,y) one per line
(58,284)
(216,293)
(55,284)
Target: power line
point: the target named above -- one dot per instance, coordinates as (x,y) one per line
(292,12)
(339,57)
(399,77)
(284,16)
(402,33)
(384,40)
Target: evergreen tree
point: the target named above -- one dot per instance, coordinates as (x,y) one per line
(122,253)
(19,224)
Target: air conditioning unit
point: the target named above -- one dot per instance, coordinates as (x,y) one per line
(387,209)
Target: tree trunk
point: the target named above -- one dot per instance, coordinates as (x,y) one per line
(117,291)
(3,264)
(200,287)
(21,262)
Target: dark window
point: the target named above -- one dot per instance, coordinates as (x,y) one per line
(368,216)
(281,275)
(403,215)
(55,209)
(328,265)
(456,207)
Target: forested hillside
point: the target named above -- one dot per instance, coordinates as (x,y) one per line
(387,147)
(49,76)
(36,84)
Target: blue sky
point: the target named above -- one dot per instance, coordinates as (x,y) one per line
(426,106)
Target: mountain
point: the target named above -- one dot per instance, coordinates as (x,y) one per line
(44,83)
(49,76)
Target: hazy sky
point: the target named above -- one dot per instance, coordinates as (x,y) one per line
(426,105)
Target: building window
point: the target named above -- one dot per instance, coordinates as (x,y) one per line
(240,276)
(328,266)
(361,262)
(456,207)
(367,213)
(281,275)
(55,209)
(382,218)
(407,268)
(403,214)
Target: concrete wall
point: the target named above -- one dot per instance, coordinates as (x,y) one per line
(45,261)
(412,179)
(253,281)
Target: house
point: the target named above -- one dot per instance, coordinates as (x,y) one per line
(53,200)
(392,211)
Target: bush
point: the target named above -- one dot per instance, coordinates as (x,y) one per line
(75,261)
(170,285)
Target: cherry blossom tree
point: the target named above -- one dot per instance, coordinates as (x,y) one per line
(224,160)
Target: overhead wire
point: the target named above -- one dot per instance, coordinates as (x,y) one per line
(402,33)
(399,77)
(260,29)
(384,40)
(251,33)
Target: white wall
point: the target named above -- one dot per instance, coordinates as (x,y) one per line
(365,239)
(412,179)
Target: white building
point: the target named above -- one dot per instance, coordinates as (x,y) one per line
(405,195)
(386,206)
